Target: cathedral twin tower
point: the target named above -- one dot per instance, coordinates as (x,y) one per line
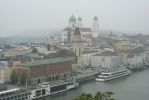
(73,22)
(76,35)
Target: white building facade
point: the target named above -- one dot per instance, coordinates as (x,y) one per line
(136,60)
(106,59)
(86,57)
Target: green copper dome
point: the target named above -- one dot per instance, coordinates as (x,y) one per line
(95,18)
(79,19)
(72,19)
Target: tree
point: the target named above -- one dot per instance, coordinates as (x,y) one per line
(83,96)
(23,79)
(76,99)
(49,47)
(13,78)
(109,94)
(2,55)
(89,97)
(34,50)
(97,96)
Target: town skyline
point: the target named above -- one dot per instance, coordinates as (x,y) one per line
(74,49)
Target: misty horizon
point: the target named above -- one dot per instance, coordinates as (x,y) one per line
(128,16)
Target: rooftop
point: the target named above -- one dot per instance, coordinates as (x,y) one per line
(134,51)
(85,29)
(137,50)
(34,55)
(107,53)
(89,51)
(46,61)
(130,56)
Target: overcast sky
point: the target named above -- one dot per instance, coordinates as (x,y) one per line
(120,15)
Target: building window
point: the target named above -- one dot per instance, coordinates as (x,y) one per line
(49,79)
(38,81)
(73,25)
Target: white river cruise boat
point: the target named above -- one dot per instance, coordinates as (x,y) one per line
(113,74)
(42,90)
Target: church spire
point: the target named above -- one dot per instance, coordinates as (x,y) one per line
(76,42)
(77,31)
(95,24)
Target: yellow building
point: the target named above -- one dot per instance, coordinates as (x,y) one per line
(121,46)
(124,46)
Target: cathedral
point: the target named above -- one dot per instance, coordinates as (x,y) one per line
(87,33)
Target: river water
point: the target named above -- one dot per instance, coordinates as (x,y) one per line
(133,87)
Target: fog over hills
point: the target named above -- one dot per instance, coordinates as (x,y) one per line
(27,36)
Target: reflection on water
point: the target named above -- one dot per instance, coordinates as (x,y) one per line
(133,87)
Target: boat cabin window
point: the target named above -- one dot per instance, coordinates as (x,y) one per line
(25,94)
(1,95)
(58,88)
(70,83)
(38,92)
(119,72)
(43,91)
(29,93)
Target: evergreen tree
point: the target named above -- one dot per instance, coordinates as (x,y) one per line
(23,79)
(34,50)
(48,47)
(13,78)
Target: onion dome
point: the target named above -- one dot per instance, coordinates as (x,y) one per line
(95,18)
(72,18)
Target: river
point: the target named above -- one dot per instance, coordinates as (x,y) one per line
(133,87)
